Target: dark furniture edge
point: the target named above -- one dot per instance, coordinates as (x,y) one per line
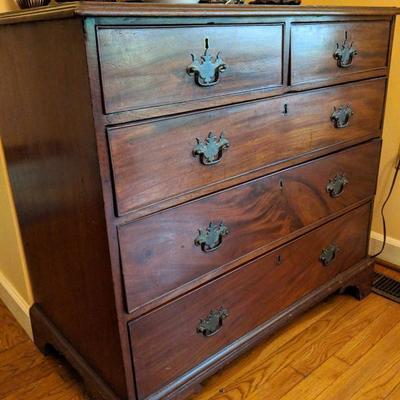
(58,194)
(120,9)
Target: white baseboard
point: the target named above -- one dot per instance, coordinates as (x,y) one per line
(391,254)
(16,304)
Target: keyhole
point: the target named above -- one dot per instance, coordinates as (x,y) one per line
(279,259)
(345,35)
(206,43)
(281,184)
(285,109)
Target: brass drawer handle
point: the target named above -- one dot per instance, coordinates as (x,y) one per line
(336,185)
(344,53)
(329,254)
(341,116)
(210,151)
(206,69)
(213,323)
(210,239)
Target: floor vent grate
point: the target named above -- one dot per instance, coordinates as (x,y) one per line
(386,287)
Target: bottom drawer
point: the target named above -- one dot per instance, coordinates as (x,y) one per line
(169,341)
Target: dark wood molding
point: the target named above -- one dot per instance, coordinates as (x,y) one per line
(126,9)
(120,9)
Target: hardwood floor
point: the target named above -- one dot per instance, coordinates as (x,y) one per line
(340,350)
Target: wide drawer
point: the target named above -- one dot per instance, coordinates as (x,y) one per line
(149,66)
(171,340)
(163,159)
(167,250)
(321,51)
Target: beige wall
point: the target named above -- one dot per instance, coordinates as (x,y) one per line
(7,5)
(15,290)
(12,264)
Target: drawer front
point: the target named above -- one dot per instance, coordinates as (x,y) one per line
(150,66)
(156,161)
(320,51)
(167,250)
(171,340)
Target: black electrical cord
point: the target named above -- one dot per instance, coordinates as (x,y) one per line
(383,208)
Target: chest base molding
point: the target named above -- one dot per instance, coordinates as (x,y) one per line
(356,281)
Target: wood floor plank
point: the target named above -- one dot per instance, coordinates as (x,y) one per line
(372,373)
(25,378)
(338,331)
(382,385)
(17,359)
(50,387)
(272,388)
(366,339)
(74,396)
(352,351)
(11,334)
(320,379)
(394,394)
(276,385)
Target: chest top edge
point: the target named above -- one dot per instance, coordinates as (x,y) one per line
(119,9)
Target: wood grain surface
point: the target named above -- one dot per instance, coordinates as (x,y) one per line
(136,75)
(313,46)
(259,134)
(159,255)
(251,294)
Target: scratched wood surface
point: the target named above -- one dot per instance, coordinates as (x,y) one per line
(342,349)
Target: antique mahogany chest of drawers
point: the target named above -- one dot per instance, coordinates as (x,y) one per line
(188,179)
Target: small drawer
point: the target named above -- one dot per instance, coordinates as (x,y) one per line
(330,51)
(172,340)
(157,161)
(152,66)
(165,251)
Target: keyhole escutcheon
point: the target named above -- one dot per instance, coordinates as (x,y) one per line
(285,109)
